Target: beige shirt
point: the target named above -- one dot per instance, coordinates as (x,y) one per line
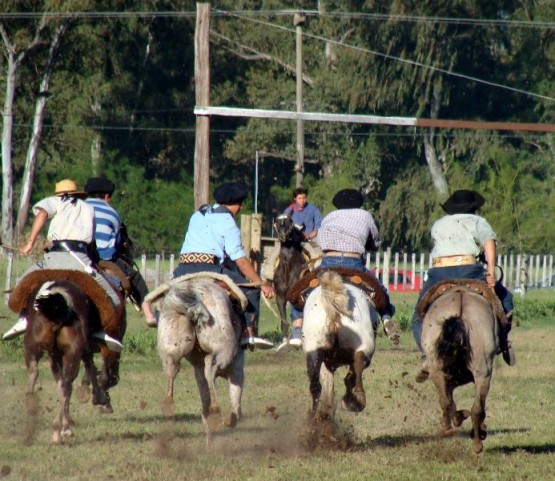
(460,234)
(70,218)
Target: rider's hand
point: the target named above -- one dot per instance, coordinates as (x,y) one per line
(268,291)
(26,249)
(490,279)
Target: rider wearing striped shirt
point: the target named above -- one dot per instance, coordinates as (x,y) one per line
(107,236)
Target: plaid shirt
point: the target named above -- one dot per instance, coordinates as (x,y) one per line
(348,230)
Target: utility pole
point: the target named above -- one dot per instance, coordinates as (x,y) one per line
(298,21)
(202,97)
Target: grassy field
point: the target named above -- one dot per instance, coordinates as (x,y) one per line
(396,437)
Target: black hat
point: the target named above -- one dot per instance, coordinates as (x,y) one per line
(230,193)
(99,185)
(463,202)
(348,199)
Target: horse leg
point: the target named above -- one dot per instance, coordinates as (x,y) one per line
(355,397)
(204,392)
(282,308)
(109,376)
(445,401)
(236,380)
(210,369)
(314,361)
(100,397)
(32,361)
(478,413)
(171,368)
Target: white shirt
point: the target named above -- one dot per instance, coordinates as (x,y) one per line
(70,218)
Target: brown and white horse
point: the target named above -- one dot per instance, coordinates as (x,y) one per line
(460,340)
(198,322)
(338,330)
(59,323)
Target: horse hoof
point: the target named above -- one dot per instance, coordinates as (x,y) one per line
(167,408)
(83,394)
(231,421)
(477,448)
(56,437)
(106,409)
(214,422)
(66,433)
(446,433)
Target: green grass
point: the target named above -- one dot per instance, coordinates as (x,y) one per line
(395,437)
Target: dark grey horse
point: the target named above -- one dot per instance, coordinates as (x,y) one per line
(460,339)
(291,263)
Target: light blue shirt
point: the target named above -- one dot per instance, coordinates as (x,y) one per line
(214,233)
(309,218)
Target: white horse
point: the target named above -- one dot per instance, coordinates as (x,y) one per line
(197,322)
(338,330)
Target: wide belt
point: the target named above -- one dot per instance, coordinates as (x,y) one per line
(198,258)
(342,254)
(450,261)
(68,246)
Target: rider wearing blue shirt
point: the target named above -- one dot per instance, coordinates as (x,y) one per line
(213,244)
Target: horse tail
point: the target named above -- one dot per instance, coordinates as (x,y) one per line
(59,301)
(187,302)
(452,346)
(334,296)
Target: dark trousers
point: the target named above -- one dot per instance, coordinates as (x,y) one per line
(139,289)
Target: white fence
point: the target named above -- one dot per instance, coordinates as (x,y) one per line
(520,271)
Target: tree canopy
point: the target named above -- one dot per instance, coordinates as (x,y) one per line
(121,95)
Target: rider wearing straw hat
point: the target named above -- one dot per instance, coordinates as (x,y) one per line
(70,236)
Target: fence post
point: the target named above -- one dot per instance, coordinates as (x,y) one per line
(157,271)
(172,262)
(9,273)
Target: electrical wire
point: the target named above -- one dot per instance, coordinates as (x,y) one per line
(400,59)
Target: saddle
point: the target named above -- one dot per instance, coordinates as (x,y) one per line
(298,294)
(113,269)
(472,285)
(109,317)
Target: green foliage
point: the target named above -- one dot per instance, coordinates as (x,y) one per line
(125,85)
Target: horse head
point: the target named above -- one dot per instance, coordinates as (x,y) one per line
(287,230)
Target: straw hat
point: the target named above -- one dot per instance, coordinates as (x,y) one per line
(68,187)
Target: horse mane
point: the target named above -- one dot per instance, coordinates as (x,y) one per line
(334,296)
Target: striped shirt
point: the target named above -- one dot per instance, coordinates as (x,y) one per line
(107,225)
(348,230)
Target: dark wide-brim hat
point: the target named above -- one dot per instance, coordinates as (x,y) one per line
(99,185)
(348,199)
(463,202)
(230,193)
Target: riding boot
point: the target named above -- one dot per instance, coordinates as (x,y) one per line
(17,329)
(505,345)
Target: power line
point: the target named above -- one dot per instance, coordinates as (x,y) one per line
(483,22)
(400,59)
